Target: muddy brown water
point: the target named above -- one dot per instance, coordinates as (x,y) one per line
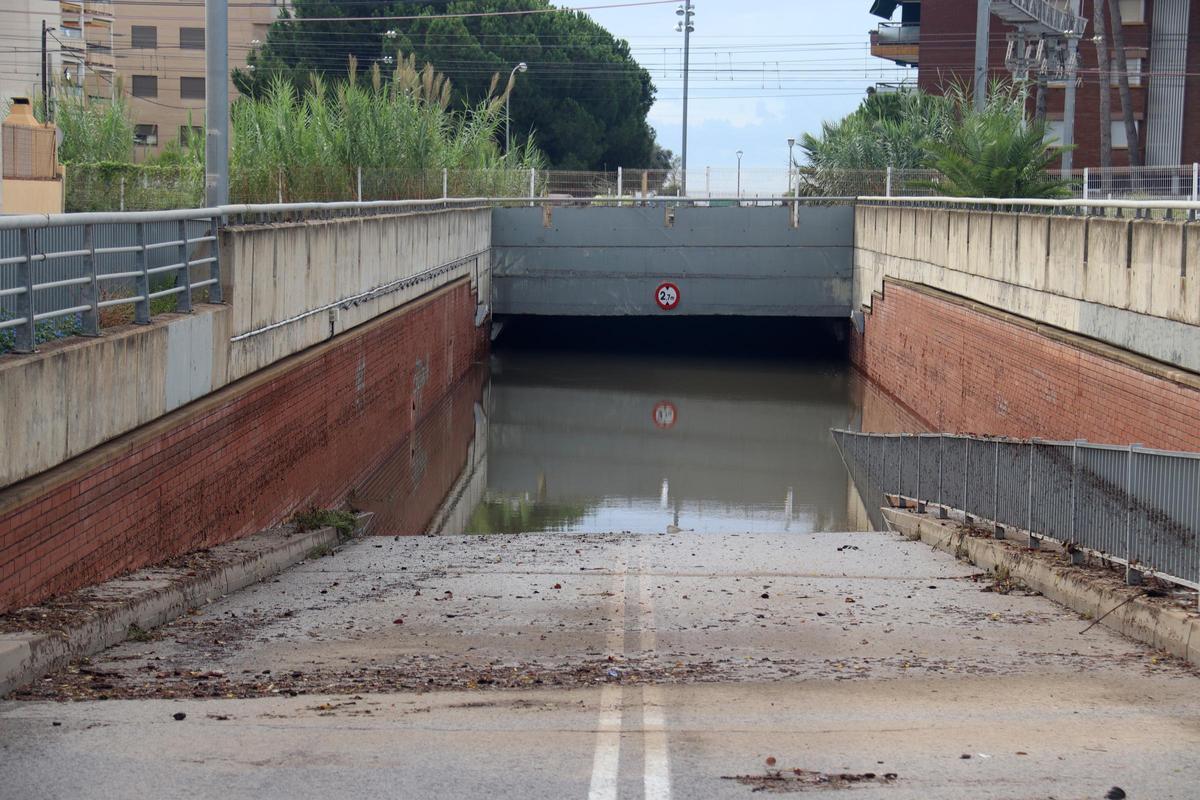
(597,442)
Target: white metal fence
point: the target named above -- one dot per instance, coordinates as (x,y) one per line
(1131,505)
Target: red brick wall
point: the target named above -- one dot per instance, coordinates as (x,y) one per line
(966,371)
(296,434)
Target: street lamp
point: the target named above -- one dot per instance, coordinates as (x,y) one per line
(685,26)
(739,175)
(791,160)
(522,67)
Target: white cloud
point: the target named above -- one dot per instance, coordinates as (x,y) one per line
(749,113)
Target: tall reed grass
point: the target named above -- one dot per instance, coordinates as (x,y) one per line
(399,130)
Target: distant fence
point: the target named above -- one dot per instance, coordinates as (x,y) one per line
(1131,505)
(108,187)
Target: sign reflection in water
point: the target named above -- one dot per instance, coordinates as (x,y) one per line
(576,443)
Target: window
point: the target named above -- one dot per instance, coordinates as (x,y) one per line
(1054,131)
(145,86)
(1133,12)
(190,133)
(144,37)
(1119,140)
(145,134)
(191,38)
(191,88)
(1135,72)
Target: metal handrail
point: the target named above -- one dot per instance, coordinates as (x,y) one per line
(1129,505)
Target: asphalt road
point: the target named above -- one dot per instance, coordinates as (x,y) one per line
(615,666)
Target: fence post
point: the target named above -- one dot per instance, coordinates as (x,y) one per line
(532,185)
(445,183)
(1133,577)
(185,271)
(941,465)
(708,181)
(90,318)
(1195,182)
(360,184)
(1074,474)
(997,528)
(141,309)
(920,505)
(25,337)
(1087,174)
(1033,542)
(121,204)
(889,182)
(214,274)
(279,185)
(620,181)
(967,482)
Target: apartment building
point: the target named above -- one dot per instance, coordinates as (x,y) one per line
(79,48)
(161,64)
(1162,48)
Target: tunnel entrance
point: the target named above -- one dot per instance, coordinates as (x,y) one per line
(587,425)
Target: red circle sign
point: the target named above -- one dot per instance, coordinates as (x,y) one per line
(665,415)
(667,296)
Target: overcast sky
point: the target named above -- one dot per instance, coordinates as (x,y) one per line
(762,70)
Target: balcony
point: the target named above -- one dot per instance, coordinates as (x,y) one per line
(897,41)
(100,57)
(71,38)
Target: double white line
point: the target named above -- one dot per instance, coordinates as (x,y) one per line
(606,765)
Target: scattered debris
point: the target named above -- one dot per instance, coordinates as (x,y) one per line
(799,780)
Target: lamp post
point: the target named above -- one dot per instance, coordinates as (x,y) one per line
(522,67)
(739,175)
(791,160)
(685,26)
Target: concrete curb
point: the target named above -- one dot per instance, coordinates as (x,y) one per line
(153,596)
(1174,630)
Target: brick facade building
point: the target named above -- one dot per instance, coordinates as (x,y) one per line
(938,37)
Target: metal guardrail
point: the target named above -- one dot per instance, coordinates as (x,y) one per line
(77,266)
(1130,505)
(1142,209)
(97,265)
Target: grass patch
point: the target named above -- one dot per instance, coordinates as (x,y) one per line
(136,633)
(342,521)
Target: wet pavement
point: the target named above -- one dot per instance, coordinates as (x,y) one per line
(610,665)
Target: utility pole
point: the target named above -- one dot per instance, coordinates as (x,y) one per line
(687,11)
(1068,160)
(216,104)
(45,78)
(983,32)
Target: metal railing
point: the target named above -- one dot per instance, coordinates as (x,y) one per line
(1129,505)
(100,269)
(1138,209)
(84,266)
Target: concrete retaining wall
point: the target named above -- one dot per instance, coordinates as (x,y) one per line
(606,261)
(1130,283)
(75,395)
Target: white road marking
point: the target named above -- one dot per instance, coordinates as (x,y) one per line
(606,765)
(656,763)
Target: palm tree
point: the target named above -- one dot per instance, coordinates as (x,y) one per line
(996,152)
(1105,80)
(1122,64)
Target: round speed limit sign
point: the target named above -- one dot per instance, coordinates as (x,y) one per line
(667,296)
(665,415)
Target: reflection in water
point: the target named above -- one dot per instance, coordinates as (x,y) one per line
(442,455)
(593,442)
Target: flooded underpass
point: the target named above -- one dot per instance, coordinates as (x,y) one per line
(648,435)
(647,575)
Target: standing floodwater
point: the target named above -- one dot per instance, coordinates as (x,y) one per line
(593,442)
